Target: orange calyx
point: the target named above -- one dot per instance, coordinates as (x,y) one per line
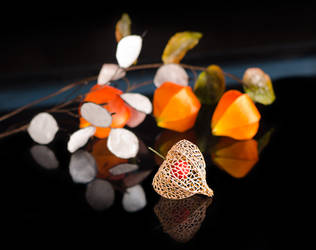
(175,107)
(235,116)
(110,97)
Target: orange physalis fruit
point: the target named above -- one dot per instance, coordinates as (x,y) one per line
(111,100)
(175,107)
(180,169)
(236,158)
(235,116)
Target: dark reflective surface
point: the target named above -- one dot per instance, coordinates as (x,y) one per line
(254,207)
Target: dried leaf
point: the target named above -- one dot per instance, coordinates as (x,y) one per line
(44,156)
(123,143)
(178,46)
(100,194)
(134,199)
(79,138)
(110,72)
(138,102)
(43,128)
(123,27)
(210,85)
(128,50)
(96,115)
(82,167)
(171,72)
(258,85)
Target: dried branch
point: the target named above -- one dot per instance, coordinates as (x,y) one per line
(59,108)
(62,90)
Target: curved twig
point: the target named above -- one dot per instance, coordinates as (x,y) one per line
(64,89)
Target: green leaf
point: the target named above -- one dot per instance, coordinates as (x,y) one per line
(179,44)
(123,27)
(258,85)
(210,85)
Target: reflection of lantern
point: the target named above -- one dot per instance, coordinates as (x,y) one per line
(235,157)
(182,219)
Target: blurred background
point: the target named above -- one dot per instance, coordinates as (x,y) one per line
(53,44)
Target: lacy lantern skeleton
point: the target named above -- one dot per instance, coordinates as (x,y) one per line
(183,173)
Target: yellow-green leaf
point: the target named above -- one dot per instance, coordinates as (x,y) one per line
(210,85)
(123,27)
(258,85)
(178,46)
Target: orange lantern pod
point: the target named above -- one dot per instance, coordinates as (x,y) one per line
(112,101)
(105,160)
(236,158)
(235,116)
(175,107)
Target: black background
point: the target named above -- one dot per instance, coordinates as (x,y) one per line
(68,39)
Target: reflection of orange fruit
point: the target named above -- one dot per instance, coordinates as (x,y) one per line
(235,157)
(105,160)
(112,101)
(235,116)
(175,107)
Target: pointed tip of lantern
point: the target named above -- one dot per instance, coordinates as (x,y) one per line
(208,192)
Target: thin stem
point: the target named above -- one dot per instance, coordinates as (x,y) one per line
(14,131)
(157,153)
(236,78)
(144,66)
(57,108)
(192,67)
(136,86)
(64,89)
(128,83)
(66,112)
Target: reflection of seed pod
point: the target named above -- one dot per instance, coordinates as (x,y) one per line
(100,194)
(182,219)
(183,173)
(134,199)
(44,156)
